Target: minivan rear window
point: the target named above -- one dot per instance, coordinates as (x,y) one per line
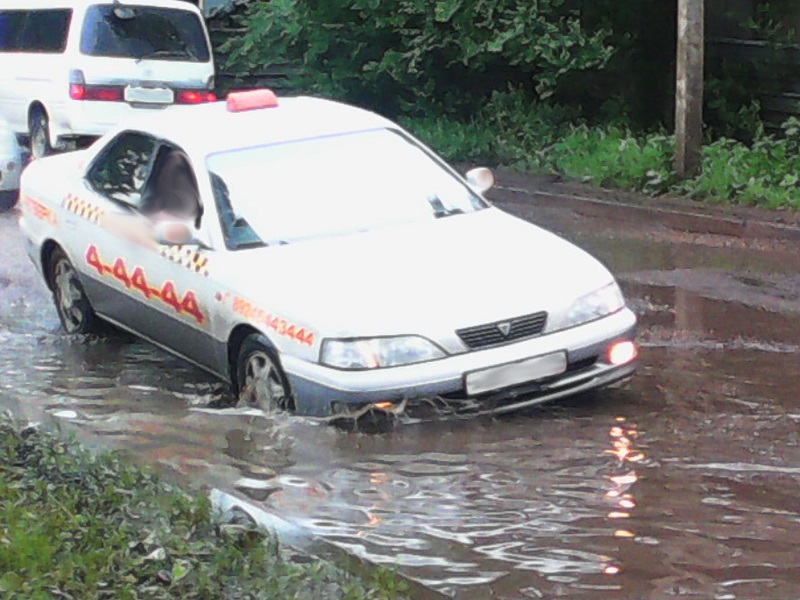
(144,32)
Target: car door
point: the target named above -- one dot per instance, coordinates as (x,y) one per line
(40,74)
(12,97)
(159,291)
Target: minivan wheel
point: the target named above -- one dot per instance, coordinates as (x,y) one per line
(40,134)
(259,378)
(72,305)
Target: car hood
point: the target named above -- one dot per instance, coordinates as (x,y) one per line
(433,277)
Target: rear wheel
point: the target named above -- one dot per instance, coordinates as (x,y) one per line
(260,380)
(39,130)
(74,309)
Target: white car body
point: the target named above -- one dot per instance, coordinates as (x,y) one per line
(10,166)
(41,75)
(310,297)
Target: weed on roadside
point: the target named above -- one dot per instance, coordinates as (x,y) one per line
(75,524)
(538,139)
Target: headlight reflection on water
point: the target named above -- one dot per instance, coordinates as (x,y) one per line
(620,496)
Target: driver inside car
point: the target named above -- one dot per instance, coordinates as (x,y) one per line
(170,202)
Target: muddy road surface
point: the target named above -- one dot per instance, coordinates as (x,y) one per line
(682,483)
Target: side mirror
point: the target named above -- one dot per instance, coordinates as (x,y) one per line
(481,178)
(174,233)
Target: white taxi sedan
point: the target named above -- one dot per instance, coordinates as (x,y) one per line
(320,259)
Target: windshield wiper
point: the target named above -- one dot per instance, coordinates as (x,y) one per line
(440,210)
(250,245)
(164,54)
(448,212)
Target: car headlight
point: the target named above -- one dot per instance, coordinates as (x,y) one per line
(599,303)
(374,353)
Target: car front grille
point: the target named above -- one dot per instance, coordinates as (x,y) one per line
(492,334)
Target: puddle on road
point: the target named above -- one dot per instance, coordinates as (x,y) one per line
(682,483)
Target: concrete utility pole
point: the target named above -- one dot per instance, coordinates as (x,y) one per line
(689,89)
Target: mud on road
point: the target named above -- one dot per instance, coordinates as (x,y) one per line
(681,483)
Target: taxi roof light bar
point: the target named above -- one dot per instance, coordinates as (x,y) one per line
(251,100)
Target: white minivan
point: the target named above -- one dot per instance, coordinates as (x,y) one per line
(71,69)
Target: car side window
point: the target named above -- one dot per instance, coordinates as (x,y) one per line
(46,31)
(12,23)
(122,168)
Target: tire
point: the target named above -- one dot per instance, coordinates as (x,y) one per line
(39,130)
(72,305)
(259,377)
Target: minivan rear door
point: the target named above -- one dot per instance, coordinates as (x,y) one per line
(163,50)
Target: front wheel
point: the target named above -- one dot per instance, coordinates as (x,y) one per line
(259,378)
(39,130)
(72,305)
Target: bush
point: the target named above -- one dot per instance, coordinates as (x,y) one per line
(763,174)
(614,157)
(507,130)
(408,55)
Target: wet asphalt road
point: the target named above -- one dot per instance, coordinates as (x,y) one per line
(683,483)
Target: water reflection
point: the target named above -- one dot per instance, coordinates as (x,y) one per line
(620,496)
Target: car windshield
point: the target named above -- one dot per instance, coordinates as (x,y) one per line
(334,185)
(144,32)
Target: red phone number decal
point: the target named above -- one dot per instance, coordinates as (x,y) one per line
(137,280)
(280,326)
(40,211)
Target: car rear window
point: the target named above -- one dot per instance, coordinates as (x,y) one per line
(144,32)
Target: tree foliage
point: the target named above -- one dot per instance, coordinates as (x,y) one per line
(404,55)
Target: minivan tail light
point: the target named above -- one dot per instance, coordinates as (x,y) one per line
(194,97)
(102,93)
(77,91)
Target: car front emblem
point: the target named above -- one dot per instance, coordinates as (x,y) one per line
(504,328)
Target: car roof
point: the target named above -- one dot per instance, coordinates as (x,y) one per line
(210,128)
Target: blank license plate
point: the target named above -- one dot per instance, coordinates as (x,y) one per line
(152,95)
(495,378)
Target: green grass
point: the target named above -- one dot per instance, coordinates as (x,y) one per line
(75,524)
(543,139)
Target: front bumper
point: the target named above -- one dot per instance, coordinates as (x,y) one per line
(319,390)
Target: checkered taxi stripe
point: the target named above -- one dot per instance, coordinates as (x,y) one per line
(82,208)
(187,257)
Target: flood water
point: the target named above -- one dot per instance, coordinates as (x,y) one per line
(683,483)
